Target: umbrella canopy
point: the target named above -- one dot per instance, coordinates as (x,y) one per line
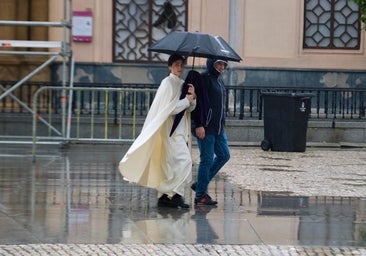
(195,44)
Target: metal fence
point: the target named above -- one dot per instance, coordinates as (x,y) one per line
(243,102)
(88,108)
(326,103)
(116,112)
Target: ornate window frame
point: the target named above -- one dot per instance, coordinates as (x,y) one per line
(139,23)
(331,24)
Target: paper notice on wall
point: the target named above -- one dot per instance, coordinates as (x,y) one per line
(82,26)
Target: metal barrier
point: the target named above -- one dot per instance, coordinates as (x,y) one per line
(115,112)
(102,119)
(327,103)
(243,102)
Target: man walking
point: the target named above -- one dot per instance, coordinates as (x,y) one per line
(208,120)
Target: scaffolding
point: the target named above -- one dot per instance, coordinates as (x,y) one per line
(53,50)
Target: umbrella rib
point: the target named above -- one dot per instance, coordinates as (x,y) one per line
(183,42)
(221,45)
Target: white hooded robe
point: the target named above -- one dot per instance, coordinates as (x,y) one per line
(156,160)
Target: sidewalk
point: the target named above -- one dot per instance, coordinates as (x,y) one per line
(176,249)
(75,202)
(316,172)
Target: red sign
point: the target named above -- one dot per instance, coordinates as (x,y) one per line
(82,26)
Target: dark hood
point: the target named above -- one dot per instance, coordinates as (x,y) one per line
(210,67)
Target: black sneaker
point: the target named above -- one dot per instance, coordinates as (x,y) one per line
(164,201)
(204,200)
(178,201)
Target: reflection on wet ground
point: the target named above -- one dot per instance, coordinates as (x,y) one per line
(78,196)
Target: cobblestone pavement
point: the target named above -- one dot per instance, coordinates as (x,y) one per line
(174,249)
(314,172)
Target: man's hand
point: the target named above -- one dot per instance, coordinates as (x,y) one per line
(191,89)
(190,98)
(200,132)
(191,93)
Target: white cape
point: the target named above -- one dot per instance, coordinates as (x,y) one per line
(145,163)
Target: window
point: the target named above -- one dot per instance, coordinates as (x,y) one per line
(139,23)
(331,24)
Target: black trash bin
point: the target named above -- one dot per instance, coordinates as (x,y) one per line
(285,120)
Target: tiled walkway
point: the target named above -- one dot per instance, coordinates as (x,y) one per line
(74,202)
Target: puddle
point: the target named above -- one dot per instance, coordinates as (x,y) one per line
(81,198)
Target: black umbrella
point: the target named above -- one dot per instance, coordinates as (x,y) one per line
(195,44)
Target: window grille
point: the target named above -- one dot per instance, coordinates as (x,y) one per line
(331,24)
(139,23)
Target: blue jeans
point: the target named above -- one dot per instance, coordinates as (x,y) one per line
(214,153)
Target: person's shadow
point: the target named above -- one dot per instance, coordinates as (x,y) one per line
(205,234)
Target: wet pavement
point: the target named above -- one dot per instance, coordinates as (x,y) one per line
(75,200)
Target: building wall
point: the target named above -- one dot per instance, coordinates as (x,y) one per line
(100,49)
(266,34)
(273,39)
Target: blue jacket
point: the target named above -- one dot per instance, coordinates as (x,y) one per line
(210,109)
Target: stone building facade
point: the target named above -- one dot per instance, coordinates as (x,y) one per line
(304,43)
